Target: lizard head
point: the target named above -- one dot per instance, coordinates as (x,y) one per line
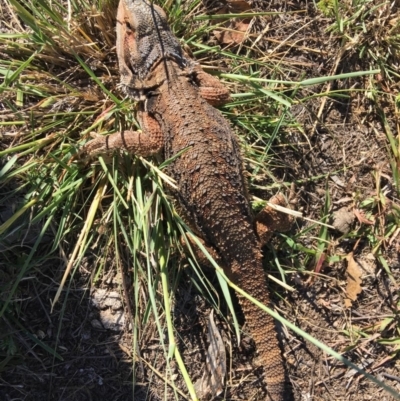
(144,40)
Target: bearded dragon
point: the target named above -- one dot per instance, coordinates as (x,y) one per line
(176,112)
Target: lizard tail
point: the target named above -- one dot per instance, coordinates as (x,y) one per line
(262,328)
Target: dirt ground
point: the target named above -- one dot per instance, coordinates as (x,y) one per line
(340,150)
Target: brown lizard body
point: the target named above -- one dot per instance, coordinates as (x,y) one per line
(175,115)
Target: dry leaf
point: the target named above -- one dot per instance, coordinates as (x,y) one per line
(235,35)
(353,287)
(236,30)
(361,217)
(212,381)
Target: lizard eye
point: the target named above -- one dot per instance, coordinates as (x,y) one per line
(128,26)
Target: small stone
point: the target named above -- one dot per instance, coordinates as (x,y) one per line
(342,220)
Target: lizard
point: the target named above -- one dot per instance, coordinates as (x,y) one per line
(175,109)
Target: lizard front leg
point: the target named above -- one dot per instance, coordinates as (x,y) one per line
(146,143)
(210,88)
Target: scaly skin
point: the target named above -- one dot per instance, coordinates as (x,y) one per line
(175,113)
